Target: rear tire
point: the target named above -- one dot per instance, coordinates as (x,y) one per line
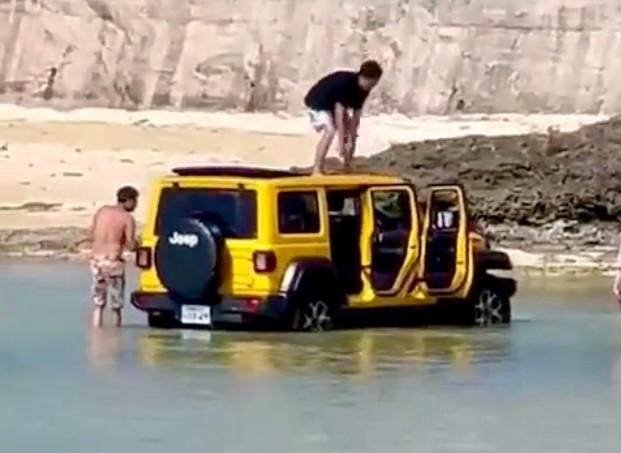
(314,314)
(161,320)
(488,305)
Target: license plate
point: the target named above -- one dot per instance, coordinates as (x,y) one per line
(196,314)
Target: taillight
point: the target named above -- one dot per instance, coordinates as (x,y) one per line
(264,262)
(253,305)
(143,257)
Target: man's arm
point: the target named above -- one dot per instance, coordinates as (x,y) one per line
(339,122)
(130,234)
(355,123)
(355,120)
(351,135)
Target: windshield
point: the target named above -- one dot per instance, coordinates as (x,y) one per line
(232,211)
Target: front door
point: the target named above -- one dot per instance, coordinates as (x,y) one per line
(446,258)
(393,242)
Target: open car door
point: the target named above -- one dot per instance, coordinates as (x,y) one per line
(392,250)
(446,256)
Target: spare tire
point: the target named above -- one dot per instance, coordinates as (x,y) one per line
(186,259)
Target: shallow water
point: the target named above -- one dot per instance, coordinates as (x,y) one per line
(549,383)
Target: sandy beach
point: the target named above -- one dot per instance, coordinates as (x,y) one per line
(57,167)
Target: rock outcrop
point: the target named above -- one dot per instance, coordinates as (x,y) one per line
(538,187)
(44,243)
(440,55)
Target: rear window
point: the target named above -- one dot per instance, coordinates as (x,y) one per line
(298,213)
(234,212)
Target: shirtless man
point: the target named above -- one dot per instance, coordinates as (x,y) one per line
(113,230)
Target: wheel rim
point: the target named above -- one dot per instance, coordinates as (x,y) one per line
(488,309)
(316,317)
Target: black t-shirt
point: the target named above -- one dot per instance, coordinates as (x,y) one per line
(341,87)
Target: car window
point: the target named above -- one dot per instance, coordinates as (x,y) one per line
(342,203)
(445,210)
(392,210)
(298,213)
(233,212)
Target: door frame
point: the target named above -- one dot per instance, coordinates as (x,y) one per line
(413,248)
(462,278)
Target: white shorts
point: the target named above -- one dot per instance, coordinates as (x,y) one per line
(321,120)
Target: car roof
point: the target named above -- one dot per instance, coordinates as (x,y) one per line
(242,172)
(282,177)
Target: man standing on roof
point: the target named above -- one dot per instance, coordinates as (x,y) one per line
(335,105)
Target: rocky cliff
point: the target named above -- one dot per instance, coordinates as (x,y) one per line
(440,55)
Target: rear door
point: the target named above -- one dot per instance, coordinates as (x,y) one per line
(228,207)
(446,256)
(392,248)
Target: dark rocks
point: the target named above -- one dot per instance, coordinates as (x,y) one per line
(531,180)
(51,242)
(556,189)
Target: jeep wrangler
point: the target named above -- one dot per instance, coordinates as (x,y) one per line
(225,246)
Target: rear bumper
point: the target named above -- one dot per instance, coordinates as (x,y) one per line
(227,311)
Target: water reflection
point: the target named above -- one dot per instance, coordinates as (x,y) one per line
(357,354)
(104,347)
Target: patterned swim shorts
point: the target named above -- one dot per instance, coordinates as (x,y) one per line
(108,281)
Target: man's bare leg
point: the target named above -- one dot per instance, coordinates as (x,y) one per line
(118,317)
(117,295)
(323,146)
(99,292)
(97,317)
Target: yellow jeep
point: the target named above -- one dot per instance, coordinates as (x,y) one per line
(236,245)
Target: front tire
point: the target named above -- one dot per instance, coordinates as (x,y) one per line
(488,306)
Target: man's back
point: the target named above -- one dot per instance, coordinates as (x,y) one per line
(109,231)
(339,86)
(112,230)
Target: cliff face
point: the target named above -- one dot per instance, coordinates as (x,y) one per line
(439,55)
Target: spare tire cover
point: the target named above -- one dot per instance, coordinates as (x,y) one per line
(186,257)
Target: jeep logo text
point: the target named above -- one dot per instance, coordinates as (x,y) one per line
(184,240)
